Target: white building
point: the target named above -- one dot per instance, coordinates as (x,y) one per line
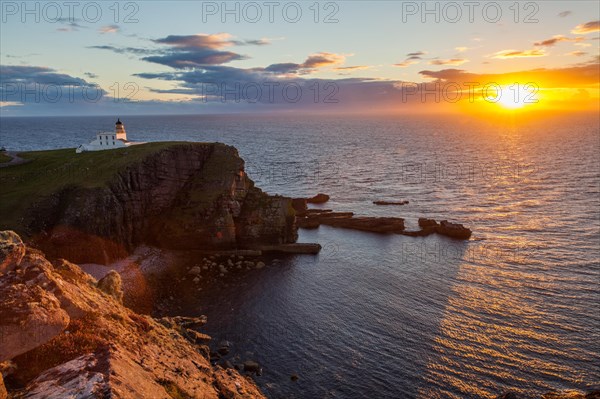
(108,140)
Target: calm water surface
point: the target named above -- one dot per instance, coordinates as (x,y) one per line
(516,307)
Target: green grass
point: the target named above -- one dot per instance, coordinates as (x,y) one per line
(49,171)
(4,158)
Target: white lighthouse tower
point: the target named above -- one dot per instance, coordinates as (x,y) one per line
(120,130)
(108,140)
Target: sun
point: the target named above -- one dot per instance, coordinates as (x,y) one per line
(517,95)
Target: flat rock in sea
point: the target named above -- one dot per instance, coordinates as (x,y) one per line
(453,230)
(251,366)
(390,203)
(385,225)
(295,248)
(318,199)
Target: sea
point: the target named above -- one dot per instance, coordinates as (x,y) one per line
(516,307)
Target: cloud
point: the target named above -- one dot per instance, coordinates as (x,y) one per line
(505,54)
(565,14)
(194,59)
(283,68)
(405,64)
(35,84)
(582,94)
(320,60)
(461,49)
(10,104)
(577,53)
(69,25)
(202,90)
(199,41)
(203,50)
(208,41)
(22,56)
(109,29)
(196,51)
(557,39)
(34,74)
(452,61)
(125,50)
(582,75)
(257,42)
(207,86)
(91,75)
(588,27)
(352,68)
(188,52)
(411,59)
(418,55)
(311,64)
(209,74)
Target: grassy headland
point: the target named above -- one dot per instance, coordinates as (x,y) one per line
(49,171)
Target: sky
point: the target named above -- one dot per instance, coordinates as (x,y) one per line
(197,57)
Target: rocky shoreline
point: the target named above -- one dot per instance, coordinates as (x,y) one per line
(65,334)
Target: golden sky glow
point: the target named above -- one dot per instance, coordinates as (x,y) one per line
(173,59)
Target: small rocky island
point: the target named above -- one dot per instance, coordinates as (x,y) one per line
(313,218)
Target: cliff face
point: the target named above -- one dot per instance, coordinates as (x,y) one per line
(184,196)
(68,338)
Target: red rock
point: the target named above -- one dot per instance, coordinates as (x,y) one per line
(318,199)
(453,230)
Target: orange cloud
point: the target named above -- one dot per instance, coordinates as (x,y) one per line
(558,39)
(352,68)
(406,63)
(504,54)
(588,27)
(319,60)
(214,41)
(579,76)
(577,53)
(452,61)
(109,29)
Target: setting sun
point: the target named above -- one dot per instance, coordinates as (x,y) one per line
(517,95)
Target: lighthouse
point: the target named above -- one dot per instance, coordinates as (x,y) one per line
(108,140)
(120,130)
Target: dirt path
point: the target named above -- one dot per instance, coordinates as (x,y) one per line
(16,159)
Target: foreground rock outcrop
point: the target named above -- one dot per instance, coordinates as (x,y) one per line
(12,250)
(79,341)
(187,196)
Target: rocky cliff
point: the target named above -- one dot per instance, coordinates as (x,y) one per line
(65,335)
(171,195)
